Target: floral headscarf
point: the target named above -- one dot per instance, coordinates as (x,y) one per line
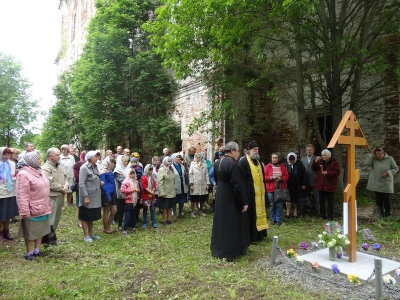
(31,159)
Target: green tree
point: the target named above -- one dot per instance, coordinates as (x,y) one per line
(17,110)
(122,92)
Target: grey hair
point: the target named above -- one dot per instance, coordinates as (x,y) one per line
(50,151)
(327,152)
(28,143)
(231,146)
(64,146)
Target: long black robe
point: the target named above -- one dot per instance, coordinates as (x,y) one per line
(255,235)
(230,232)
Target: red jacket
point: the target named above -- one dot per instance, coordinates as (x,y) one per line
(33,193)
(328,182)
(270,183)
(145,185)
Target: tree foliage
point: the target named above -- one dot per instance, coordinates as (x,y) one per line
(333,54)
(17,110)
(118,91)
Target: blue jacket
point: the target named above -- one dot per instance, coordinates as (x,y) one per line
(108,187)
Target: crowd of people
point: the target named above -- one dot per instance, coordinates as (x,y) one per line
(117,189)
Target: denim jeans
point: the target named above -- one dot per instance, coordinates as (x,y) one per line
(275,209)
(130,218)
(152,215)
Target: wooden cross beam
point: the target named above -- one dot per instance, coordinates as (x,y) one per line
(353,137)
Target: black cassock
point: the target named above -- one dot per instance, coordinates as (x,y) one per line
(249,192)
(230,231)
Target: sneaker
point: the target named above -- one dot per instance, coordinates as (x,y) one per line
(88,239)
(29,257)
(202,213)
(95,237)
(144,226)
(192,215)
(124,232)
(133,229)
(154,225)
(120,228)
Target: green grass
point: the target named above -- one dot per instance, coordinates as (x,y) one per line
(171,262)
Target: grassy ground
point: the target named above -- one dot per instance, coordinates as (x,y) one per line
(170,262)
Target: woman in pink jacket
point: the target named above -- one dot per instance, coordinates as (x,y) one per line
(33,198)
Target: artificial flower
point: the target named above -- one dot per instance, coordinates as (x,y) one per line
(333,236)
(388,279)
(303,245)
(376,247)
(335,269)
(314,245)
(365,246)
(354,279)
(290,253)
(339,254)
(299,260)
(315,264)
(398,272)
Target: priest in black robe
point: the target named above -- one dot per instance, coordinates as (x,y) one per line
(254,189)
(230,232)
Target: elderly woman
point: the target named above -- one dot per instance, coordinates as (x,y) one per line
(121,171)
(109,195)
(181,184)
(328,171)
(380,180)
(89,195)
(166,189)
(199,183)
(8,204)
(33,198)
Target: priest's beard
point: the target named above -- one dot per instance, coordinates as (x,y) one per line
(254,156)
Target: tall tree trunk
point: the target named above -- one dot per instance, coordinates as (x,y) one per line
(301,114)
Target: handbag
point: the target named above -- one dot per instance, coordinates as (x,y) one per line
(50,238)
(281,195)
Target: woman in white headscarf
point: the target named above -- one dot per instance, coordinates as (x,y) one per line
(8,203)
(166,189)
(89,195)
(199,183)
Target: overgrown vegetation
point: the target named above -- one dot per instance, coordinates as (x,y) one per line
(170,262)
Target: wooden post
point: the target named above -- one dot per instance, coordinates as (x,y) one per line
(354,136)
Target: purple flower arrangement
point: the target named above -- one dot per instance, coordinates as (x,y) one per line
(335,269)
(303,245)
(365,246)
(376,247)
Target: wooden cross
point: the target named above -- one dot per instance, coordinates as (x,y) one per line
(354,136)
